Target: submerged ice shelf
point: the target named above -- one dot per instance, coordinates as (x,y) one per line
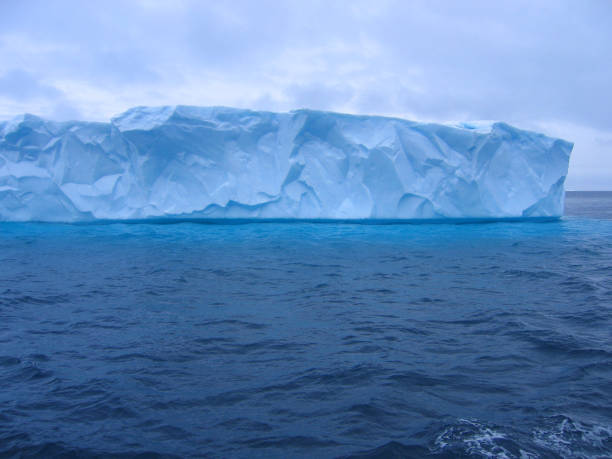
(216,162)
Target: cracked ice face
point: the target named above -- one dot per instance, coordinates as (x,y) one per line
(230,163)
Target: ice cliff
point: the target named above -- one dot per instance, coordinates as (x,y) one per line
(192,162)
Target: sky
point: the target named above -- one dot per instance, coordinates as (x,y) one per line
(537,64)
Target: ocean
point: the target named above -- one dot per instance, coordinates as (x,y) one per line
(325,340)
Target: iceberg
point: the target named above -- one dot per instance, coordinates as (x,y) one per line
(225,163)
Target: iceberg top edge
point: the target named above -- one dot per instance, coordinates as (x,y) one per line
(150,117)
(144,118)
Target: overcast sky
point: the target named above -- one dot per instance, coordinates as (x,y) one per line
(541,65)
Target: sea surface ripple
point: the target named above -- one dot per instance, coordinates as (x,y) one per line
(308,340)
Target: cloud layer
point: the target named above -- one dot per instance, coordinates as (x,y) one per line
(543,65)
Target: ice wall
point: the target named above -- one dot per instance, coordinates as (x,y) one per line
(193,162)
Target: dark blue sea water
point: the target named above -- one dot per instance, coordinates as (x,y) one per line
(308,340)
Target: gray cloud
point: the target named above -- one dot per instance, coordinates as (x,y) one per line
(21,86)
(543,64)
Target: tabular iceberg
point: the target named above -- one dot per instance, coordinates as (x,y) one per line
(216,162)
